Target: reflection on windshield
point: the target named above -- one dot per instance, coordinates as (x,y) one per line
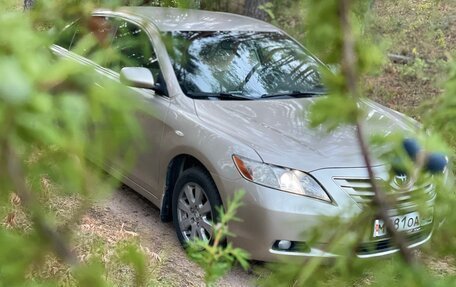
(250,64)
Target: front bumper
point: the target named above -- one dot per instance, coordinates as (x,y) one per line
(270,215)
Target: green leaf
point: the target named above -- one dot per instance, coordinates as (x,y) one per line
(15,84)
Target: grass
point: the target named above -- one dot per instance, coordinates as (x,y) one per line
(424,30)
(94,239)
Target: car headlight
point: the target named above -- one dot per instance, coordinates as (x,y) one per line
(285,179)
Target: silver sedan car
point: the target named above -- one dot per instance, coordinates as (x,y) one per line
(231,95)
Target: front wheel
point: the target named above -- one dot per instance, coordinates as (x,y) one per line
(195,197)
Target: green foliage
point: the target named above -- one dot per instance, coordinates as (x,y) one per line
(317,24)
(416,70)
(340,107)
(334,111)
(423,30)
(325,37)
(440,117)
(134,257)
(52,116)
(217,257)
(49,108)
(268,7)
(89,274)
(325,34)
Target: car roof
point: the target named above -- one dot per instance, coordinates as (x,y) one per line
(175,19)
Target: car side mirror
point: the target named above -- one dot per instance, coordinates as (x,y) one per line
(137,77)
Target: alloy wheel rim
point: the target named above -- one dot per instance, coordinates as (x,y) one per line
(194,213)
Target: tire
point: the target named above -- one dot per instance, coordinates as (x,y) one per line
(195,197)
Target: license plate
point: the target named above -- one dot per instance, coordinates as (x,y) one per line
(407,222)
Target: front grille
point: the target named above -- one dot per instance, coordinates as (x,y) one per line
(387,244)
(360,189)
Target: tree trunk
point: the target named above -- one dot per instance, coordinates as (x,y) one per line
(28,4)
(251,9)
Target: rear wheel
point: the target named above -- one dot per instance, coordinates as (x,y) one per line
(195,197)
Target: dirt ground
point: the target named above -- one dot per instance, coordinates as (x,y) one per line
(127,211)
(127,214)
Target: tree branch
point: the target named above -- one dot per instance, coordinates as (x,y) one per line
(348,67)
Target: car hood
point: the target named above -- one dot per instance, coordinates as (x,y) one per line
(280,133)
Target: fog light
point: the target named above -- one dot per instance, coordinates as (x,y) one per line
(284,244)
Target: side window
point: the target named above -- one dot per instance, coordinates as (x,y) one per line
(69,35)
(118,44)
(103,30)
(134,48)
(98,28)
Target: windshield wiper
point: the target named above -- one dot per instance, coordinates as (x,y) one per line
(249,76)
(222,96)
(296,94)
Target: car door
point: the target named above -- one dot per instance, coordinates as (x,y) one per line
(136,50)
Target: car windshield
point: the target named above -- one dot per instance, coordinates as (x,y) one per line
(249,65)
